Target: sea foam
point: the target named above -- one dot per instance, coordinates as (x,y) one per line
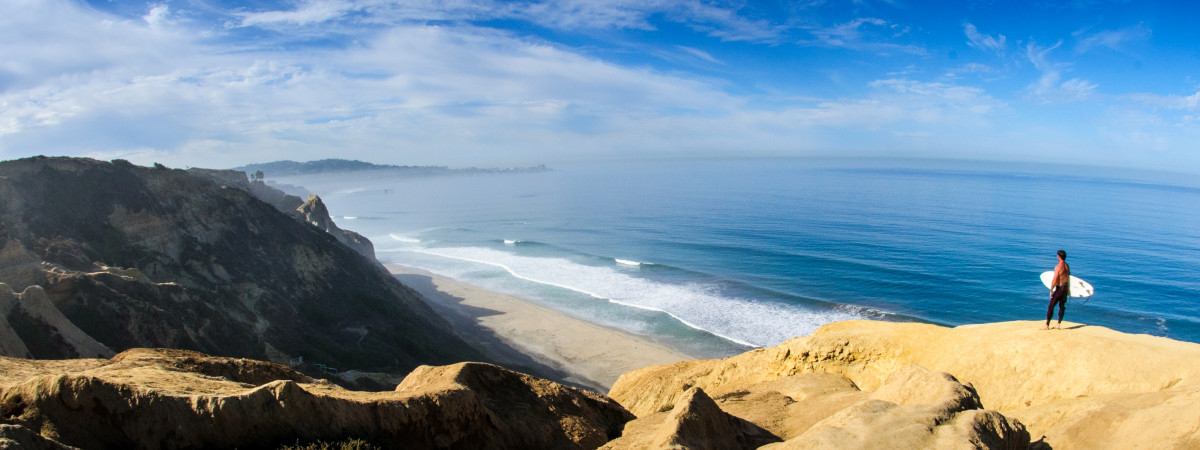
(701,306)
(404,239)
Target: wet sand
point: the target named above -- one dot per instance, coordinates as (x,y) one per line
(531,338)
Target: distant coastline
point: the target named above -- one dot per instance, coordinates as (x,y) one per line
(293,168)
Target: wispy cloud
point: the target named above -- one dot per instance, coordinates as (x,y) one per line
(864,34)
(158,15)
(970,68)
(699,54)
(723,21)
(1050,88)
(990,44)
(1116,40)
(1187,103)
(1191,102)
(947,98)
(307,13)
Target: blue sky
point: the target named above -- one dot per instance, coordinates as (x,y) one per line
(467,82)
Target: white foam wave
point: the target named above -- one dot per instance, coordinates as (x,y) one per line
(349,217)
(626,262)
(745,321)
(510,242)
(404,239)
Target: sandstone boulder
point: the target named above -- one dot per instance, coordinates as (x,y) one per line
(696,422)
(915,408)
(788,407)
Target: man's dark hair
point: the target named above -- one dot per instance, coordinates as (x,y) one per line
(1062,254)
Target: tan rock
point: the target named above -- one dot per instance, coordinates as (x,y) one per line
(790,406)
(696,422)
(178,399)
(530,412)
(914,408)
(1078,387)
(1169,418)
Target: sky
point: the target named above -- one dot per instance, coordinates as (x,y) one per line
(508,83)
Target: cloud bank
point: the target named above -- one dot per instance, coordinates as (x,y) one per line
(481,82)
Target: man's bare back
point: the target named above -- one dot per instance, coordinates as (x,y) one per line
(1060,289)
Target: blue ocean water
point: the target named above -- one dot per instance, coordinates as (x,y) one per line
(714,256)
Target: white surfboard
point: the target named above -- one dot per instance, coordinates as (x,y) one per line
(1079,288)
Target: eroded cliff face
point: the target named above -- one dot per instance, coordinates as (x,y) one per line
(154,257)
(178,400)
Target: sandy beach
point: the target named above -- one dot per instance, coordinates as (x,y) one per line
(524,336)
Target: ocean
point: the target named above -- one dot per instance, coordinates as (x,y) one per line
(716,256)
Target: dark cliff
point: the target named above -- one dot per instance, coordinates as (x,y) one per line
(312,211)
(154,257)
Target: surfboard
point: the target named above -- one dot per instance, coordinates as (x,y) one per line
(1079,288)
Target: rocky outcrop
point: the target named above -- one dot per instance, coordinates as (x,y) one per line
(19,437)
(30,319)
(1082,387)
(513,410)
(696,422)
(176,399)
(915,408)
(314,212)
(154,257)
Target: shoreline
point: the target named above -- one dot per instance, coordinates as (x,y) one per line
(524,336)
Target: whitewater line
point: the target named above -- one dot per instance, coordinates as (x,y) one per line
(593,295)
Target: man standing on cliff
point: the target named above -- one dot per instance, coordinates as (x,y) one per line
(1060,289)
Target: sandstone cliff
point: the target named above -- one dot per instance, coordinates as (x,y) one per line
(175,399)
(153,257)
(851,384)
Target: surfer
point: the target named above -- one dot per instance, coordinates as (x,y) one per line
(1060,289)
